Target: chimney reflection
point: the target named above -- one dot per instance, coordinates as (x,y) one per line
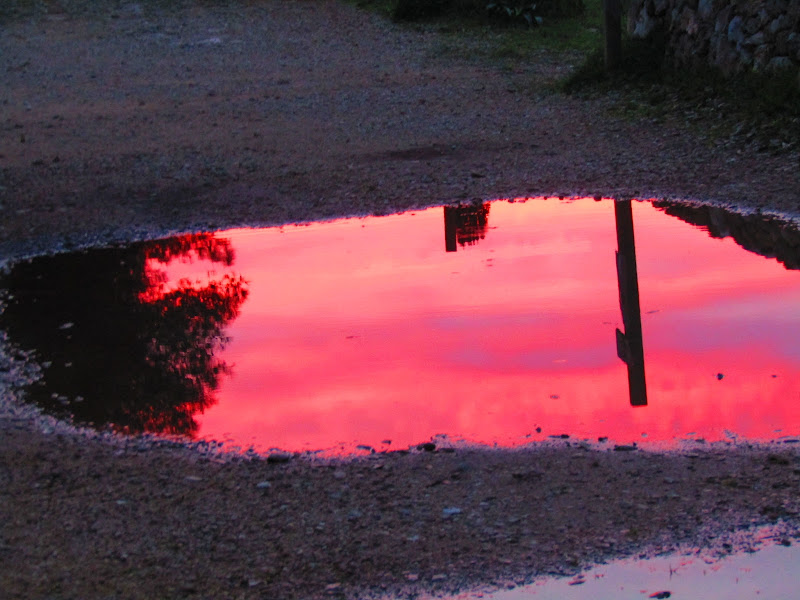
(465,225)
(629,343)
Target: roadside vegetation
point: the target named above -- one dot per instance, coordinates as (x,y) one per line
(511,29)
(752,108)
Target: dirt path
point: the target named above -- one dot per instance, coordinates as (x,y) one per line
(138,121)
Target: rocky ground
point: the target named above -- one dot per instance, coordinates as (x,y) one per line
(133,120)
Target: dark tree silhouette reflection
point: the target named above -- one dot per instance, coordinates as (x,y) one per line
(119,347)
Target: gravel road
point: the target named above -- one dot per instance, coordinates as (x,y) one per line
(134,120)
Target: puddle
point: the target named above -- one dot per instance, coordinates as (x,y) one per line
(501,323)
(767,574)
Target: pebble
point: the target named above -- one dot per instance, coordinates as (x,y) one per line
(263,485)
(279,458)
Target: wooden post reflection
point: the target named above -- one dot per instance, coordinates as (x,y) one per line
(450,229)
(629,343)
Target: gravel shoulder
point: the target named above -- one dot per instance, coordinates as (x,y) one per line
(138,121)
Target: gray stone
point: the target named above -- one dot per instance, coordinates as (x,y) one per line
(756,39)
(783,47)
(794,41)
(751,25)
(736,31)
(689,21)
(780,63)
(761,57)
(779,24)
(705,8)
(745,58)
(643,26)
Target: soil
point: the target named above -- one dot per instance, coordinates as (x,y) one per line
(127,121)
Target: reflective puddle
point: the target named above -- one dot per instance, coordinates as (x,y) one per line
(768,574)
(500,323)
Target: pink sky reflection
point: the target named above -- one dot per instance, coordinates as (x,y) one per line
(364,330)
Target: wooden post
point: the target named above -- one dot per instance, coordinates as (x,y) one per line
(613,33)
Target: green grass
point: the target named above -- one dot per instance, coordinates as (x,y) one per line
(506,39)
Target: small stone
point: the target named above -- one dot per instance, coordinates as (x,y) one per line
(339,474)
(450,511)
(412,577)
(427,447)
(660,595)
(439,577)
(777,459)
(720,376)
(333,587)
(279,458)
(263,485)
(625,448)
(193,478)
(779,63)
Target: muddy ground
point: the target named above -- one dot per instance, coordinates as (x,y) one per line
(131,120)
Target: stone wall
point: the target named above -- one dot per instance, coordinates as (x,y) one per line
(734,35)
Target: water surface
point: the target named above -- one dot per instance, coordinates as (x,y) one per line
(498,323)
(767,575)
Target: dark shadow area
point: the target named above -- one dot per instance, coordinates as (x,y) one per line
(501,11)
(118,348)
(629,344)
(768,237)
(465,225)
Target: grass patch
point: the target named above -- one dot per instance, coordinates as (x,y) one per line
(758,108)
(555,25)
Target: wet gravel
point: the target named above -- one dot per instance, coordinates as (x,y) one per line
(133,120)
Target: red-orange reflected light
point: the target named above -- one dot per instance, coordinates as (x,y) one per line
(366,330)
